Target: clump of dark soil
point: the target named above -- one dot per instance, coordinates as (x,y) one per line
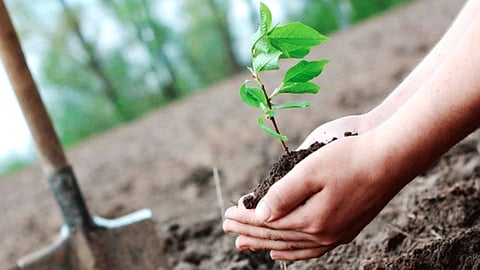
(279,170)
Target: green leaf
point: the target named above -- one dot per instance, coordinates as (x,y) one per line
(266,61)
(295,39)
(267,111)
(252,96)
(293,105)
(299,88)
(292,52)
(269,131)
(265,18)
(261,45)
(304,71)
(260,41)
(299,34)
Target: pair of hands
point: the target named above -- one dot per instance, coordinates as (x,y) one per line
(343,189)
(346,183)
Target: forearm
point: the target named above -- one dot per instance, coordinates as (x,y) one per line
(425,69)
(441,112)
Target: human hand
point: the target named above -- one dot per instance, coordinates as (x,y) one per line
(333,193)
(337,128)
(325,201)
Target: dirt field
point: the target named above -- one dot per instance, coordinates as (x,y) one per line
(164,162)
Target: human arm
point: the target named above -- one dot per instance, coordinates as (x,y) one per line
(425,68)
(369,120)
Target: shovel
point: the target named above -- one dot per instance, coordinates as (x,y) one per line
(85,241)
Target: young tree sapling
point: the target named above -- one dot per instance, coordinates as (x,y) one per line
(270,44)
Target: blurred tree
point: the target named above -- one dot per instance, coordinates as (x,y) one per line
(94,62)
(206,44)
(66,83)
(219,11)
(151,34)
(99,63)
(363,9)
(324,16)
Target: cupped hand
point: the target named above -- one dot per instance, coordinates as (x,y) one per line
(324,201)
(337,128)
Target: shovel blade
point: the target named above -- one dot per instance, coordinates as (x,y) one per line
(129,242)
(69,251)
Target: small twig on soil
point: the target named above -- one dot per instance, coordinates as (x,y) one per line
(218,188)
(437,235)
(397,229)
(283,265)
(416,238)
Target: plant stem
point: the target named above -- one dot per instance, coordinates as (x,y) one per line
(274,123)
(271,118)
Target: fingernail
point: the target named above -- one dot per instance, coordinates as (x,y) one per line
(262,213)
(273,256)
(228,213)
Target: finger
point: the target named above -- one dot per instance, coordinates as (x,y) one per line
(321,135)
(243,215)
(250,243)
(232,226)
(308,141)
(301,219)
(299,254)
(288,192)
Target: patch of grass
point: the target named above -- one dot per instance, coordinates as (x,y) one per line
(13,163)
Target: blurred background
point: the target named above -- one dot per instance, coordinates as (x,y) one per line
(100,63)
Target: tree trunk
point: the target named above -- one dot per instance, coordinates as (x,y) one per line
(95,65)
(225,34)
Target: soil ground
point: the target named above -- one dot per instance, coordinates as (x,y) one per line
(164,161)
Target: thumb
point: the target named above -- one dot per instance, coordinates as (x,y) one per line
(287,193)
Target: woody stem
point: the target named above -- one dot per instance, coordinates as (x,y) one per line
(272,119)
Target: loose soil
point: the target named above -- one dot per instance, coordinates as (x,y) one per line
(164,162)
(279,169)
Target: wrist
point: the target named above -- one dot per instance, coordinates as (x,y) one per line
(395,157)
(369,120)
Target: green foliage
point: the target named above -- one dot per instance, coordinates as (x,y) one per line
(295,39)
(205,41)
(328,16)
(321,15)
(152,52)
(363,9)
(304,71)
(14,162)
(269,131)
(299,88)
(270,44)
(252,96)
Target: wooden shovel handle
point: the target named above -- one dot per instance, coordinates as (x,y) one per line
(48,146)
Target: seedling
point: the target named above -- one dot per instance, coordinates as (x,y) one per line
(270,44)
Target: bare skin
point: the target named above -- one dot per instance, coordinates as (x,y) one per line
(434,108)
